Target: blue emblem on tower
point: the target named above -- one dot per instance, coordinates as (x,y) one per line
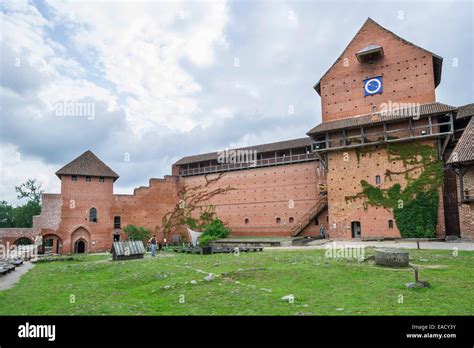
(373,86)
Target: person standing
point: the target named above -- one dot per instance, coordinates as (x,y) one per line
(321,232)
(152,241)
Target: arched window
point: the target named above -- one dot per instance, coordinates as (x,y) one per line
(278,220)
(291,220)
(390,223)
(246,221)
(93,215)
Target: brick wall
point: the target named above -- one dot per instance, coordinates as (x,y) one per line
(344,177)
(147,206)
(466,210)
(406,70)
(264,195)
(8,236)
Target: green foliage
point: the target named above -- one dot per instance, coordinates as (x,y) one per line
(137,233)
(415,207)
(213,231)
(418,218)
(23,215)
(6,214)
(193,201)
(30,189)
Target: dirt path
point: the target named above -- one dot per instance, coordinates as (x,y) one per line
(9,280)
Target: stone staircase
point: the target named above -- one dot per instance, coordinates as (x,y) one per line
(320,205)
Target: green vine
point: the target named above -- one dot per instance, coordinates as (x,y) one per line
(415,207)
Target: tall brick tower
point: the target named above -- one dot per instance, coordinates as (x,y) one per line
(87,197)
(376,97)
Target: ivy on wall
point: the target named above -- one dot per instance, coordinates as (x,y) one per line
(191,210)
(415,207)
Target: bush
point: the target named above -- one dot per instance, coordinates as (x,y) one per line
(137,233)
(213,231)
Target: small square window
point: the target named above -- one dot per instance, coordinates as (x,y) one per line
(101,179)
(88,178)
(74,178)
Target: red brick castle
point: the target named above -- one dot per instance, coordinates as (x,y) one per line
(384,140)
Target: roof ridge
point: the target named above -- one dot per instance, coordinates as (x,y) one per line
(87,164)
(370,20)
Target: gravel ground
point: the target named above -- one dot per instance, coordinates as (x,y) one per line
(10,279)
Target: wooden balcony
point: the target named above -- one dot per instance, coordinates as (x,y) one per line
(382,133)
(266,162)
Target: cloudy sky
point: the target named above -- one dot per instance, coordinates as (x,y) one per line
(147,83)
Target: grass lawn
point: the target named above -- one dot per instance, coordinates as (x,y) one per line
(248,284)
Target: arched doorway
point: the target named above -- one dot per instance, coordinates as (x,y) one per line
(80,239)
(80,247)
(23,241)
(52,244)
(355,228)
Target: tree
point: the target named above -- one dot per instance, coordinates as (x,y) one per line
(137,233)
(30,189)
(6,214)
(23,214)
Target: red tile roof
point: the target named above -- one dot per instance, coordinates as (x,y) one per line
(87,164)
(464,150)
(378,117)
(278,146)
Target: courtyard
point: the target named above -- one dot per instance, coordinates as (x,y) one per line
(273,282)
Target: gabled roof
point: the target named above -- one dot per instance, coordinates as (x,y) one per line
(437,60)
(278,146)
(465,111)
(87,164)
(379,117)
(464,150)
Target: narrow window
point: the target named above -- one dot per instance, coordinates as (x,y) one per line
(74,178)
(390,223)
(88,178)
(101,179)
(316,221)
(246,221)
(117,222)
(378,181)
(291,220)
(93,215)
(278,220)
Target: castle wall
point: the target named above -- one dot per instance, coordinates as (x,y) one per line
(147,206)
(344,179)
(262,195)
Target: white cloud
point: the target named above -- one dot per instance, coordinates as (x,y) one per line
(16,169)
(139,48)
